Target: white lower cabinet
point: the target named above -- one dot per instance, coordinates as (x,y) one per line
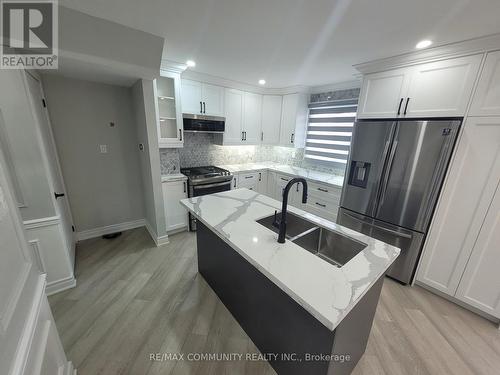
(262,182)
(175,214)
(461,255)
(248,180)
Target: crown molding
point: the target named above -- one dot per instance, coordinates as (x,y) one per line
(172,66)
(446,51)
(225,82)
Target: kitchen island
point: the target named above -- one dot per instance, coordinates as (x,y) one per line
(309,315)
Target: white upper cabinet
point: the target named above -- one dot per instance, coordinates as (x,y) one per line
(252,118)
(202,98)
(167,94)
(442,88)
(467,194)
(191,97)
(271,119)
(382,94)
(437,89)
(213,99)
(293,120)
(486,100)
(233,133)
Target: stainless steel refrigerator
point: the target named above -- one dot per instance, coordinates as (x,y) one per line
(393,179)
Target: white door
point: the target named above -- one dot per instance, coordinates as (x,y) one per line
(467,193)
(29,341)
(486,101)
(252,117)
(288,119)
(213,100)
(191,97)
(442,88)
(382,94)
(271,119)
(55,174)
(234,116)
(175,214)
(480,284)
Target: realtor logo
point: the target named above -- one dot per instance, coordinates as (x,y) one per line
(29,34)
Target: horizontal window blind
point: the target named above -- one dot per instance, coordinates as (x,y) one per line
(329,130)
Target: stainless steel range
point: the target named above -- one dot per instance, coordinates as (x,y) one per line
(206,180)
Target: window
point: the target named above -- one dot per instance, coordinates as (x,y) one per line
(329,130)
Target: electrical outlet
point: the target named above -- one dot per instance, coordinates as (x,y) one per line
(103,149)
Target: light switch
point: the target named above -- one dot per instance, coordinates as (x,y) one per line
(103,148)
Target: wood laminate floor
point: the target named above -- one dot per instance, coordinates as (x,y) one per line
(133,299)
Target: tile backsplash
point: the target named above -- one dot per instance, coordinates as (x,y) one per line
(199,149)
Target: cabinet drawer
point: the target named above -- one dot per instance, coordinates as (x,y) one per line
(321,207)
(324,192)
(248,180)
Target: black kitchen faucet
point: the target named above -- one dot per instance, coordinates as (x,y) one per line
(281,224)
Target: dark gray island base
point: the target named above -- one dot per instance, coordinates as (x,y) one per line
(275,322)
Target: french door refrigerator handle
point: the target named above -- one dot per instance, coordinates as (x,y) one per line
(387,173)
(395,232)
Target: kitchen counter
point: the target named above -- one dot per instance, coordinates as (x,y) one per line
(326,178)
(173,177)
(325,291)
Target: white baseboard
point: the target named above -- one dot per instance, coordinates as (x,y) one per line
(162,240)
(59,285)
(97,232)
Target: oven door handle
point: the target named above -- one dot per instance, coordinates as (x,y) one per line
(195,187)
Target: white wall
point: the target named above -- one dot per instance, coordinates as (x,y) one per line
(143,99)
(103,188)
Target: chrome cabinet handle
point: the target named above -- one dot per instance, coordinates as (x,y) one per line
(399,108)
(406,105)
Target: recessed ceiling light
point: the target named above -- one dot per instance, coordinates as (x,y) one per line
(262,81)
(190,63)
(423,44)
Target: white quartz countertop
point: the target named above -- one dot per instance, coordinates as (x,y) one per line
(173,177)
(324,290)
(310,174)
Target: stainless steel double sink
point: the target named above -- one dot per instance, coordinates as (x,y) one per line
(328,245)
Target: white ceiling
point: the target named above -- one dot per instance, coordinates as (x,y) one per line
(295,42)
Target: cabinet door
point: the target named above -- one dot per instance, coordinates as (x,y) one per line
(248,180)
(471,183)
(213,99)
(234,116)
(486,101)
(272,181)
(252,117)
(167,94)
(442,88)
(262,182)
(480,286)
(288,119)
(271,119)
(191,97)
(175,214)
(382,94)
